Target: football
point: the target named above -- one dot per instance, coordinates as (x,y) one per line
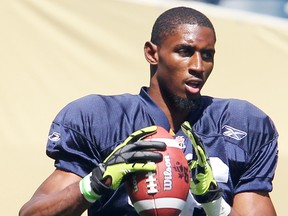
(164,191)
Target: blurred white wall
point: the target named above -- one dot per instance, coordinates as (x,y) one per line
(53,52)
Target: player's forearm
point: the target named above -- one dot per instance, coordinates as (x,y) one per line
(234,212)
(66,202)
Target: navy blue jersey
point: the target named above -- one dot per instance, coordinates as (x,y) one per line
(240,140)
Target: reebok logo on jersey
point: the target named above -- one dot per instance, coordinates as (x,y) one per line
(54,137)
(233,133)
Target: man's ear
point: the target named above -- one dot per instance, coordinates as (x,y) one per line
(151,54)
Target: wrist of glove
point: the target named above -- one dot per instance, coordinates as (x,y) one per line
(202,183)
(214,192)
(218,207)
(133,155)
(92,186)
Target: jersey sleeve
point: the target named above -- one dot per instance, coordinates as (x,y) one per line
(70,142)
(260,170)
(261,150)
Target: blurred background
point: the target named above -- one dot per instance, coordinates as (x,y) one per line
(53,52)
(278,8)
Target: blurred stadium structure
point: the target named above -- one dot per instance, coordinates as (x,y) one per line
(278,8)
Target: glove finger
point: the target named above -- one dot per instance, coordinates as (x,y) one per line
(135,136)
(149,144)
(141,134)
(202,156)
(144,157)
(134,156)
(136,167)
(192,164)
(140,146)
(196,142)
(187,129)
(118,172)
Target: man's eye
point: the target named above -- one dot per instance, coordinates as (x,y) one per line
(185,52)
(208,55)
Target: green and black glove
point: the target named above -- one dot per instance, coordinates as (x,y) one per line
(202,183)
(133,155)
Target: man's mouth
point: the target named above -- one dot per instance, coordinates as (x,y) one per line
(193,86)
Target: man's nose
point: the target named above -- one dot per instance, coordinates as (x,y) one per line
(196,62)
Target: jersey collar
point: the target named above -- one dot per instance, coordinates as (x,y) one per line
(158,116)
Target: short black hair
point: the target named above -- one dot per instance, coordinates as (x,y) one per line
(168,21)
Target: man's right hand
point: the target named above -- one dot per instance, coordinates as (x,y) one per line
(133,155)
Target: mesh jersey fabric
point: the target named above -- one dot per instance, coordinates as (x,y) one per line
(237,136)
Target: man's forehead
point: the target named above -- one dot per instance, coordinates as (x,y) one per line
(187,33)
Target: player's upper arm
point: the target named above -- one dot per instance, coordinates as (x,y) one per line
(254,203)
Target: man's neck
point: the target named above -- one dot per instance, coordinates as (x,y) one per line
(176,118)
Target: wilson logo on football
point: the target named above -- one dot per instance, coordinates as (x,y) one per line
(167,173)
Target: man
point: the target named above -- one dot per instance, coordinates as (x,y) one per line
(93,136)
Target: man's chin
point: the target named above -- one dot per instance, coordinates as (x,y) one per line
(186,104)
